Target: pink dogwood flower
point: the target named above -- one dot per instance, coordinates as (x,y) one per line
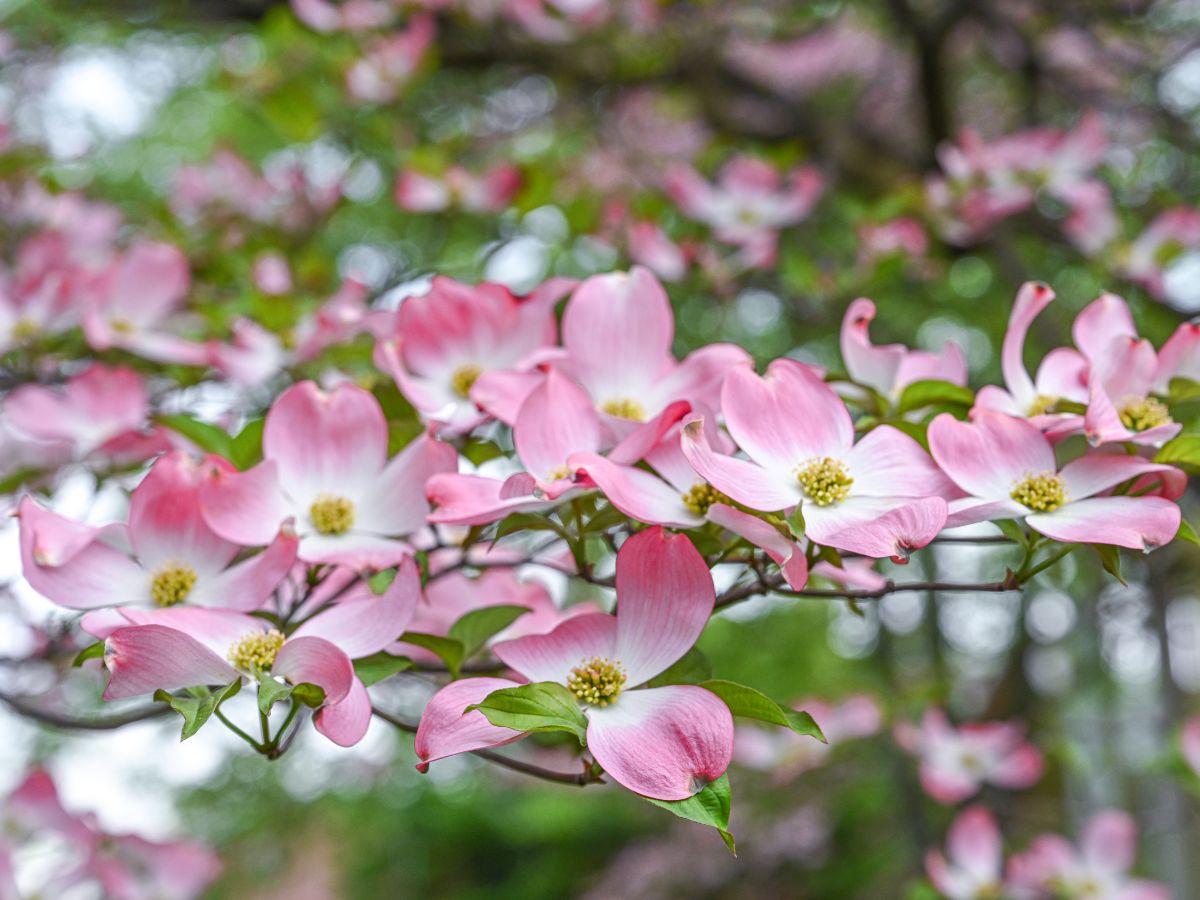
(460,347)
(673,495)
(617,334)
(1145,261)
(1189,743)
(664,742)
(650,246)
(973,867)
(170,649)
(1008,470)
(1062,374)
(325,468)
(556,421)
(271,273)
(881,496)
(339,319)
(1123,373)
(1098,870)
(488,193)
(165,556)
(957,762)
(748,204)
(102,410)
(351,15)
(137,295)
(890,368)
(390,62)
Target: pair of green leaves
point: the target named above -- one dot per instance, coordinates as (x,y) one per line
(467,636)
(197,704)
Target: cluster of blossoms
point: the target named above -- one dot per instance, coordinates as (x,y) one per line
(265,565)
(36,826)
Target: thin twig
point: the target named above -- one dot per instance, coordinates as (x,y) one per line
(580,779)
(22,706)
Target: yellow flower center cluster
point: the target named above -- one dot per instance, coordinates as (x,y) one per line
(1041,493)
(701,496)
(625,408)
(597,681)
(256,650)
(1042,404)
(25,330)
(464,379)
(332,515)
(171,584)
(1139,415)
(825,481)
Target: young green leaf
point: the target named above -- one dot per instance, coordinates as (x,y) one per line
(91,651)
(751,704)
(473,629)
(1110,558)
(271,692)
(310,695)
(1182,451)
(708,806)
(544,706)
(449,650)
(246,448)
(198,705)
(208,438)
(934,393)
(378,666)
(1187,532)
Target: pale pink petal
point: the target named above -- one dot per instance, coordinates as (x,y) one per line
(247,585)
(877,527)
(787,553)
(1101,321)
(866,363)
(396,503)
(474,500)
(988,457)
(1189,741)
(444,729)
(314,660)
(645,437)
(974,844)
(355,549)
(71,564)
(1032,298)
(787,417)
(1128,369)
(744,481)
(146,658)
(1062,373)
(949,365)
(1109,842)
(552,656)
(700,375)
(636,492)
(617,329)
(666,743)
(1096,472)
(886,462)
(1179,357)
(502,393)
(1140,523)
(333,442)
(244,507)
(556,420)
(1019,769)
(665,595)
(346,721)
(365,624)
(165,522)
(970,510)
(947,786)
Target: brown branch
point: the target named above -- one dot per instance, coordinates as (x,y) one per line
(774,584)
(23,707)
(580,779)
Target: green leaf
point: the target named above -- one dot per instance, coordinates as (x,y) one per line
(1182,390)
(526,521)
(381,580)
(246,449)
(693,668)
(479,452)
(271,692)
(473,629)
(1012,530)
(795,522)
(449,650)
(1183,451)
(310,695)
(751,704)
(208,438)
(92,651)
(544,706)
(1110,558)
(1187,532)
(708,806)
(198,706)
(378,666)
(934,393)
